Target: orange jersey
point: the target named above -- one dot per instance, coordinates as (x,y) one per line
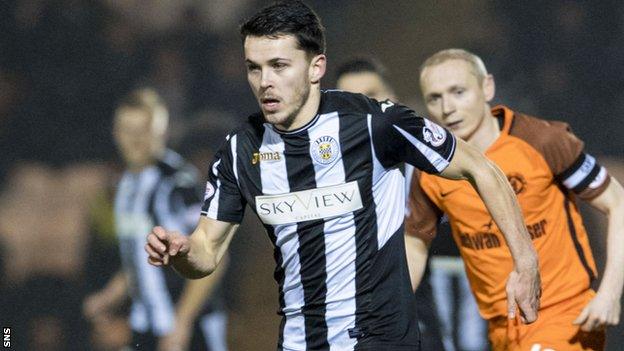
(546,166)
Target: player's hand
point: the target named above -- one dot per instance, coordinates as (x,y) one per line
(96,305)
(603,310)
(162,245)
(524,292)
(178,340)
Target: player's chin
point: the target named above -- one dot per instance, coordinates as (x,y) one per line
(276,117)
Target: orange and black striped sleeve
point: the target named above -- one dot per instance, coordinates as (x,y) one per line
(573,168)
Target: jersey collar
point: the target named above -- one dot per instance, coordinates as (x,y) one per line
(507,115)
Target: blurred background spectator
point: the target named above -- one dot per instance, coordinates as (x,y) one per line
(65,63)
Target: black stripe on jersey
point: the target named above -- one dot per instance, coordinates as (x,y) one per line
(301,176)
(588,180)
(278,275)
(577,244)
(573,168)
(358,164)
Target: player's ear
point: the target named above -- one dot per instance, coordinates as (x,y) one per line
(318,66)
(489,87)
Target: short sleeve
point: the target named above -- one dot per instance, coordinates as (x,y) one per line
(564,153)
(399,135)
(223,200)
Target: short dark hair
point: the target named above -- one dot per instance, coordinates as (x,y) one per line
(361,65)
(288,18)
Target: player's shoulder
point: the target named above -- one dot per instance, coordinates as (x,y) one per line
(176,168)
(345,102)
(552,139)
(541,133)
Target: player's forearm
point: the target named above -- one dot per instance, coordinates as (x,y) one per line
(416,252)
(503,206)
(194,295)
(204,255)
(613,279)
(199,262)
(116,290)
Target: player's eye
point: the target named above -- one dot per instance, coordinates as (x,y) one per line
(433,99)
(253,68)
(279,65)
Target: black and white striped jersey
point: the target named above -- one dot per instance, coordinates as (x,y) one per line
(331,198)
(165,194)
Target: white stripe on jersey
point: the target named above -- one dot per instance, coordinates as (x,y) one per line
(435,158)
(213,209)
(234,158)
(340,247)
(409,172)
(378,168)
(274,178)
(389,196)
(600,178)
(390,209)
(581,173)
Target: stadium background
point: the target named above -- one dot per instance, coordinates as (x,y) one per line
(64,64)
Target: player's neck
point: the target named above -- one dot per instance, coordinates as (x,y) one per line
(307,112)
(486,133)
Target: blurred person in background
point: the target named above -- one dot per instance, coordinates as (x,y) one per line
(548,170)
(158,188)
(320,169)
(366,76)
(44,246)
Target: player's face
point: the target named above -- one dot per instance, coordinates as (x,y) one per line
(367,83)
(455,98)
(135,137)
(280,75)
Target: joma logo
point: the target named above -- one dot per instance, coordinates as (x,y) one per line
(264,156)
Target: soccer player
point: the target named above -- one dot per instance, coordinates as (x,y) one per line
(157,188)
(319,168)
(548,170)
(366,76)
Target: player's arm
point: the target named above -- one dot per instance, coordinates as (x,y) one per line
(417,251)
(111,296)
(194,256)
(604,309)
(401,136)
(421,221)
(524,285)
(190,304)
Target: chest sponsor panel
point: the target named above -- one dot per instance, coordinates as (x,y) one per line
(306,205)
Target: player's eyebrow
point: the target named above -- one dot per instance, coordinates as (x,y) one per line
(271,61)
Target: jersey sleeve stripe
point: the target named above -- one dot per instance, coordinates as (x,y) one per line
(599,179)
(579,171)
(588,179)
(433,157)
(234,158)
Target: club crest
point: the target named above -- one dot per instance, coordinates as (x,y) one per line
(325,150)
